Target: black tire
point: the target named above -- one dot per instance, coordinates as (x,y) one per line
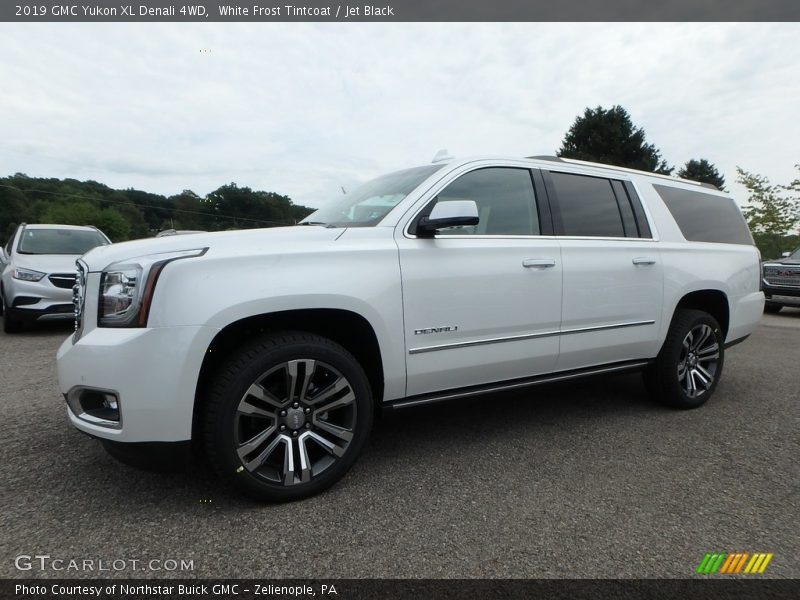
(262,365)
(10,323)
(668,378)
(772,308)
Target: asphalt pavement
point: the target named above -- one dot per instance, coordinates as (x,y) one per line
(588,479)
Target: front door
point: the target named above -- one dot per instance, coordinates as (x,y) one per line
(482,303)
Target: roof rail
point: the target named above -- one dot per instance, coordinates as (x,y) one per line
(546,157)
(703,183)
(623,169)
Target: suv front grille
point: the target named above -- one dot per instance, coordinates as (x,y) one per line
(784,276)
(63,280)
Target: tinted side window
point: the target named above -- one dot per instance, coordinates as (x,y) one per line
(705,217)
(587,206)
(505,198)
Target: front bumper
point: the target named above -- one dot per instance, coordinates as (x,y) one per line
(38,300)
(780,290)
(61,312)
(153,372)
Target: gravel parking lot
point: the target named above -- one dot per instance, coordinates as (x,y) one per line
(588,479)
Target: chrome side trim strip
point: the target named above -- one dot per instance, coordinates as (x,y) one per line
(527,336)
(511,338)
(511,385)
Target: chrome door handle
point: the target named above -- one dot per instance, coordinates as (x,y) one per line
(541,263)
(643,260)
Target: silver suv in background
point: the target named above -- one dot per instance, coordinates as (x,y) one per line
(39,272)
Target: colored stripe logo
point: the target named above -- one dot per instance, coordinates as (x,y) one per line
(733,563)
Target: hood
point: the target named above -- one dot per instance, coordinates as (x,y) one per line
(47,263)
(231,243)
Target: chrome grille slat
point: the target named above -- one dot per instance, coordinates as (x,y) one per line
(78,299)
(790,281)
(63,280)
(782,275)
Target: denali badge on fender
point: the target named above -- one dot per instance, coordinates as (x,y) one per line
(435,330)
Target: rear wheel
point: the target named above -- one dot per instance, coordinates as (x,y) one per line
(288,416)
(687,370)
(772,308)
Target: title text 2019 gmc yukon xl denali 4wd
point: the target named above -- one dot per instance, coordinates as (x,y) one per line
(274,347)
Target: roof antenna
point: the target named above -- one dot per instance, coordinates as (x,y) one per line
(441,155)
(344,191)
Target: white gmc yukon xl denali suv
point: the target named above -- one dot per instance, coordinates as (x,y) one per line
(272,349)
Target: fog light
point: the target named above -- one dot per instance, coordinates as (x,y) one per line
(96,406)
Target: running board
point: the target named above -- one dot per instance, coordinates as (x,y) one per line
(513,384)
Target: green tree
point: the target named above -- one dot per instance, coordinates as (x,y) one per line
(771,212)
(610,137)
(107,220)
(793,189)
(192,212)
(14,209)
(133,216)
(243,208)
(130,213)
(114,225)
(702,171)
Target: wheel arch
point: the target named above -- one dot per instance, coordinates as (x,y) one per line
(712,301)
(347,328)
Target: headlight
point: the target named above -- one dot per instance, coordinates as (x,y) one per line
(27,275)
(126,288)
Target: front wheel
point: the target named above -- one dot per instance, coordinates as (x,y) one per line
(288,416)
(11,324)
(687,370)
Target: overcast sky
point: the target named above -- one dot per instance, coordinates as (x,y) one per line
(302,109)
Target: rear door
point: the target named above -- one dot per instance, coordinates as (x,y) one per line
(613,276)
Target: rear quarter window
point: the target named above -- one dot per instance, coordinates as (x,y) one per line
(705,217)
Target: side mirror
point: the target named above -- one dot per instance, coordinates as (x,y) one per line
(786,254)
(448,213)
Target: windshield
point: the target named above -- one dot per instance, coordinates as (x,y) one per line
(795,255)
(59,241)
(366,205)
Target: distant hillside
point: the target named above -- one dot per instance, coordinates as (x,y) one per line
(131,214)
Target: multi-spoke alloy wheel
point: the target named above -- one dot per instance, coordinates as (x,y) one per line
(295,421)
(698,363)
(288,416)
(687,369)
